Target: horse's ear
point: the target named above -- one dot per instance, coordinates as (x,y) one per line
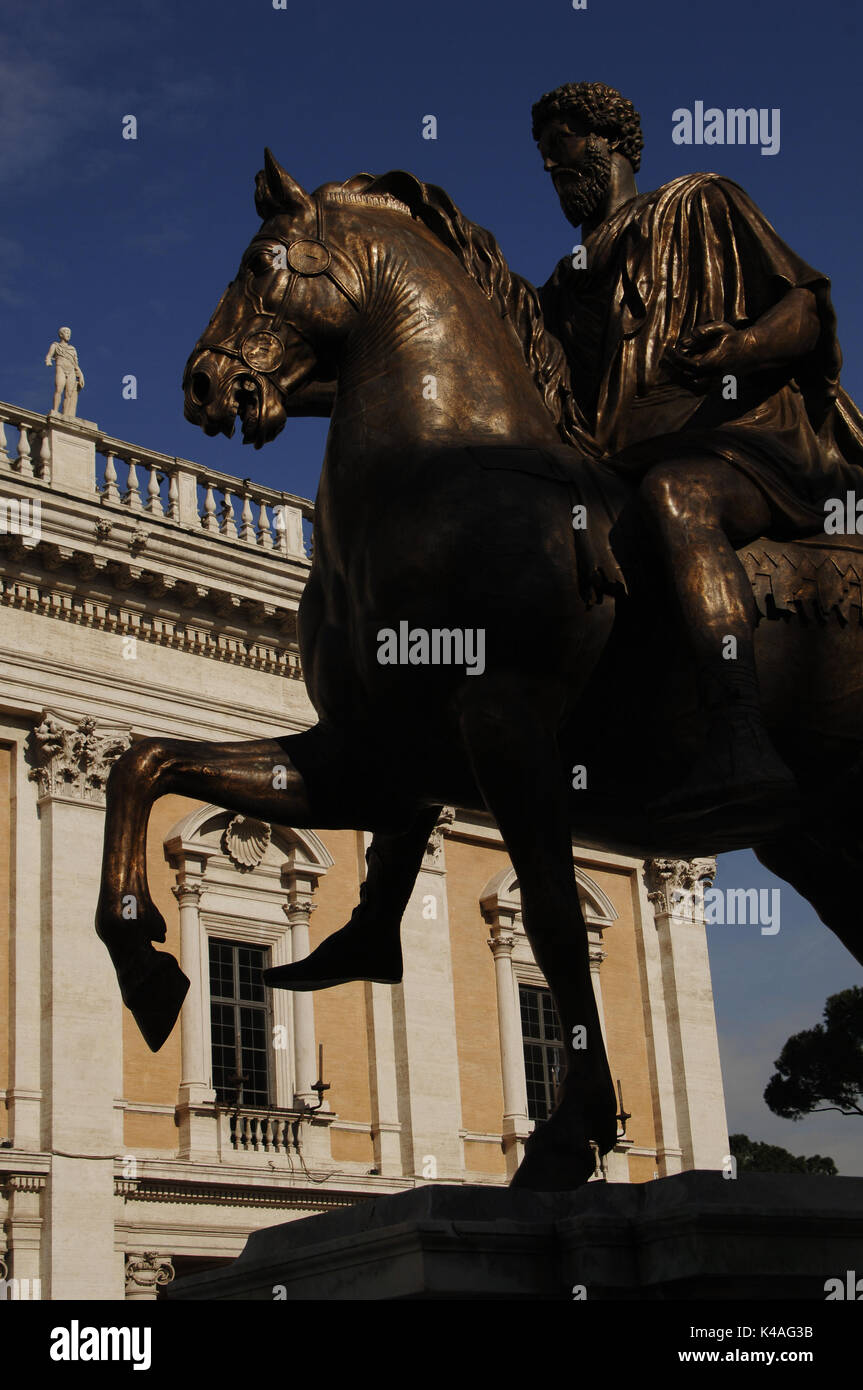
(276,191)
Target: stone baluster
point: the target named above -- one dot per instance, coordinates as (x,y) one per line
(247,527)
(265,535)
(208,520)
(45,458)
(174,497)
(229,526)
(23,463)
(132,495)
(279,527)
(4,457)
(154,499)
(110,491)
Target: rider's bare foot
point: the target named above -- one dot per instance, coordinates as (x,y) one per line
(738,771)
(360,951)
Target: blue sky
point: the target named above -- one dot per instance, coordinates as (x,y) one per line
(132,242)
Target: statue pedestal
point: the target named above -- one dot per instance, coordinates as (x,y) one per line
(695,1235)
(73,453)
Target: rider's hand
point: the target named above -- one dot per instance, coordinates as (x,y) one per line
(710,351)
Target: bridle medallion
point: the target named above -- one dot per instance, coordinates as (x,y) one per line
(308,257)
(263,351)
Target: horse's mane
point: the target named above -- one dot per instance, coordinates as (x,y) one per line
(477,251)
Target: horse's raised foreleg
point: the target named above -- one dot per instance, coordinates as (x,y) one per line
(511,739)
(259,778)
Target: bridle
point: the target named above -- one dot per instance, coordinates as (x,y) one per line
(261,349)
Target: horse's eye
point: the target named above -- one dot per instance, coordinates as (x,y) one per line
(261,263)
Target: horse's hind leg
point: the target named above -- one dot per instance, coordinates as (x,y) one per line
(828,873)
(259,778)
(510,737)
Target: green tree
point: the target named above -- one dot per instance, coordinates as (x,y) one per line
(822,1067)
(754,1157)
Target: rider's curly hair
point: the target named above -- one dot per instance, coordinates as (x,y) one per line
(603,108)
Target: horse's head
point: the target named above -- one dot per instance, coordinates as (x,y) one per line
(280,320)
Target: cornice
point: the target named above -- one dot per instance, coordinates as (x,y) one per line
(237,641)
(189,1192)
(103,553)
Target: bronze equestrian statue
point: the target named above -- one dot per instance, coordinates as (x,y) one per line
(459,452)
(716,467)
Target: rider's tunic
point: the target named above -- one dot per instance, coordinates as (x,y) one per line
(694,252)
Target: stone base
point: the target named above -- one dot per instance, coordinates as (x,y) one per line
(695,1235)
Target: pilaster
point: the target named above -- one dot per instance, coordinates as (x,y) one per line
(675,888)
(425,1027)
(82,1053)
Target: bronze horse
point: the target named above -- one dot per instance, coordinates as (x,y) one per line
(446,503)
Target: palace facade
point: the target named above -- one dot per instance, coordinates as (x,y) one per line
(147,595)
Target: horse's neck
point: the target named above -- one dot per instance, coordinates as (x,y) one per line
(432,363)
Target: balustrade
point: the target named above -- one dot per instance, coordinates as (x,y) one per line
(251,1129)
(176,490)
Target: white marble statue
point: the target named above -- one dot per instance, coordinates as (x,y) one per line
(67,373)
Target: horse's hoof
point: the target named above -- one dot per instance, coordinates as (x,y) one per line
(154,996)
(554,1168)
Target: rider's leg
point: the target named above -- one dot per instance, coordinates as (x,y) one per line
(699,510)
(369,947)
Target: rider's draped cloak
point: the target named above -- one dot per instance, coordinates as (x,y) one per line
(694,252)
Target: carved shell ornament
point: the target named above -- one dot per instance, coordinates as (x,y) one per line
(245,841)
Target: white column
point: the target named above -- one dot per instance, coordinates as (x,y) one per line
(516,1125)
(298,910)
(597,956)
(198,1131)
(194,1071)
(300,880)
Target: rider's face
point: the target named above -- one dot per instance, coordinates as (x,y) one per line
(562,143)
(579,163)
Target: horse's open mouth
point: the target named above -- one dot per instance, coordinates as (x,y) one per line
(245,401)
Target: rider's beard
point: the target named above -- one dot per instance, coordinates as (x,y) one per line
(581,189)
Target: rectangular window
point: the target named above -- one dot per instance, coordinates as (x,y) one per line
(240,1023)
(543,1049)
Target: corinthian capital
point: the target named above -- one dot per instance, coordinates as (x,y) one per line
(73,757)
(673,883)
